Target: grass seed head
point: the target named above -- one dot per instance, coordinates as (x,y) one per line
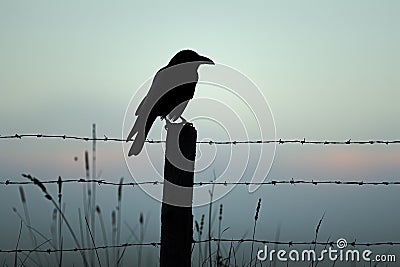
(113,219)
(120,189)
(22,194)
(141,218)
(258,209)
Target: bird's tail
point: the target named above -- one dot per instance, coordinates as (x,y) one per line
(137,144)
(134,129)
(141,128)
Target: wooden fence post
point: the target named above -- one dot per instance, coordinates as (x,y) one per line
(176,211)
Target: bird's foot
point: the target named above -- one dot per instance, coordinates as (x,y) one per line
(183,120)
(167,123)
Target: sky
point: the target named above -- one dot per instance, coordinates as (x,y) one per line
(327,69)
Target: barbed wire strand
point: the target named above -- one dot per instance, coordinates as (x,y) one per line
(155,182)
(211,142)
(243,240)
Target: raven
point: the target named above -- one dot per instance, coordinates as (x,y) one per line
(172,88)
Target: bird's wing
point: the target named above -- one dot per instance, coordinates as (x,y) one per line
(157,89)
(166,79)
(145,107)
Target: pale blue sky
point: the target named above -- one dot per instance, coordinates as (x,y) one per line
(337,61)
(329,70)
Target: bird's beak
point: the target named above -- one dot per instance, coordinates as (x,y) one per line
(205,60)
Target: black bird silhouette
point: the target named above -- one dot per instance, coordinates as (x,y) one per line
(172,88)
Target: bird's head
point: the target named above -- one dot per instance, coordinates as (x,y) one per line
(187,56)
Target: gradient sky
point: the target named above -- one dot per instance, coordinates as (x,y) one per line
(329,70)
